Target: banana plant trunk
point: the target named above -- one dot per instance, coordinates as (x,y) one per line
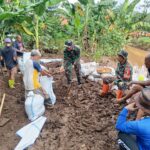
(37,32)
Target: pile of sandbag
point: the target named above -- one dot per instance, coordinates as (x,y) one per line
(90,69)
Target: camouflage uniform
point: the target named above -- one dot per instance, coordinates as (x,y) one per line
(71,58)
(123,75)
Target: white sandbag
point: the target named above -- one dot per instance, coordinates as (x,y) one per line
(20,64)
(51,60)
(30,133)
(34,106)
(26,56)
(22,61)
(46,83)
(88,68)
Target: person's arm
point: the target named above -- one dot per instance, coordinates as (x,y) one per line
(39,69)
(1,58)
(142,83)
(130,127)
(15,55)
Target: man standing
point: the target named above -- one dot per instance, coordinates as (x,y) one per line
(72,58)
(19,46)
(122,77)
(31,76)
(8,54)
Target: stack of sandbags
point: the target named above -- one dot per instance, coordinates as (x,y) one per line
(34,106)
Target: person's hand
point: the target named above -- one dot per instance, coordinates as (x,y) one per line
(131,107)
(62,69)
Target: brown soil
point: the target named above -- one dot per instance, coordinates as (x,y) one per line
(80,121)
(136,55)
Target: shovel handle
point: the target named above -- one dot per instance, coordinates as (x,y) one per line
(2,103)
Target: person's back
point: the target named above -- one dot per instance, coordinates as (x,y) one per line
(135,129)
(8,54)
(143,135)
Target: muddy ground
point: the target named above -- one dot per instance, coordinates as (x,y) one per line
(80,121)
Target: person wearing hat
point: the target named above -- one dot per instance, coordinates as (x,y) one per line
(135,134)
(71,58)
(8,54)
(123,76)
(138,85)
(31,76)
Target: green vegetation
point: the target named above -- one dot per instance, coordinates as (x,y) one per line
(100,29)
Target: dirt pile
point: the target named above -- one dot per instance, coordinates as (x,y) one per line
(80,120)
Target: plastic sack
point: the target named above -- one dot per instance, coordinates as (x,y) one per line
(26,56)
(51,60)
(34,106)
(20,64)
(88,68)
(30,133)
(139,73)
(46,83)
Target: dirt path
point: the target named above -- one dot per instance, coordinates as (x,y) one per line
(81,121)
(136,56)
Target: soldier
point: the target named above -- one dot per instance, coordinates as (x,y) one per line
(123,76)
(71,57)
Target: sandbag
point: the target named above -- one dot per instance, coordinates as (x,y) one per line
(88,68)
(20,64)
(46,83)
(34,106)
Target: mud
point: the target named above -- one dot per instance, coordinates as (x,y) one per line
(80,120)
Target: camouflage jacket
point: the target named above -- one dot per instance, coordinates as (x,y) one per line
(124,73)
(73,55)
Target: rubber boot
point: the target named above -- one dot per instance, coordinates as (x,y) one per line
(119,94)
(79,80)
(11,84)
(105,89)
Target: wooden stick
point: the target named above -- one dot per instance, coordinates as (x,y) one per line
(2,103)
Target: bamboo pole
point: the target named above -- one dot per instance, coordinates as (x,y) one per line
(2,103)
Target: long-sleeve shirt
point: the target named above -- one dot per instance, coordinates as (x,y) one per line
(73,55)
(19,46)
(140,128)
(124,72)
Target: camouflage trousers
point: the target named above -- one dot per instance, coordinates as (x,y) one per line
(68,70)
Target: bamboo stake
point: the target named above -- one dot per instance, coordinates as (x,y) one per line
(2,103)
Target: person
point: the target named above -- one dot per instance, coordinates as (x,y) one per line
(2,65)
(135,134)
(19,46)
(8,54)
(138,85)
(122,77)
(71,57)
(31,76)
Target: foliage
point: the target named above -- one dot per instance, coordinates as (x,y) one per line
(100,29)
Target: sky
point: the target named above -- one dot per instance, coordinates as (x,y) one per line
(138,8)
